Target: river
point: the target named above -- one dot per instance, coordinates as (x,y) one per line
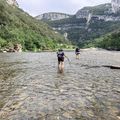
(31,88)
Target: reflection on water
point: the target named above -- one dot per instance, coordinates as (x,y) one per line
(32,88)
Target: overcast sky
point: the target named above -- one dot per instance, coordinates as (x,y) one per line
(37,7)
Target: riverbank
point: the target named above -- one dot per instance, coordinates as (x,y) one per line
(66,50)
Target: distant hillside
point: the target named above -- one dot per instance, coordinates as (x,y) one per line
(16,26)
(110,41)
(52,16)
(96,10)
(88,23)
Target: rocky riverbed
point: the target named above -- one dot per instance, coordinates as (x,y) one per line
(32,89)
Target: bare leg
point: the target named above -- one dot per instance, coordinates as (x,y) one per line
(77,56)
(61,67)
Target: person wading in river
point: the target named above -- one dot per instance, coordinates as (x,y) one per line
(61,55)
(77,52)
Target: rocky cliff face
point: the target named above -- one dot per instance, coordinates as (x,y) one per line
(115,5)
(82,14)
(12,2)
(52,16)
(88,23)
(102,12)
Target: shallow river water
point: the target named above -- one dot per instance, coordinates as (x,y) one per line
(31,88)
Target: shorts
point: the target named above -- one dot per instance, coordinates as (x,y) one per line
(61,59)
(77,53)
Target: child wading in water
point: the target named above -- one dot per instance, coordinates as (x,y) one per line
(77,52)
(61,55)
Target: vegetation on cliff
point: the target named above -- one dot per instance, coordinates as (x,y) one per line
(109,41)
(83,34)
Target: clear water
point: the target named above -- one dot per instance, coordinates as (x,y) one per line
(32,89)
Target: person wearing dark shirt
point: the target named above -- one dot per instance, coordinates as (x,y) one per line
(61,55)
(77,52)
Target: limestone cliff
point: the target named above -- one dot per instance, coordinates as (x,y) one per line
(101,12)
(115,5)
(88,23)
(12,2)
(52,16)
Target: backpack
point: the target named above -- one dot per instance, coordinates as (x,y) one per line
(60,54)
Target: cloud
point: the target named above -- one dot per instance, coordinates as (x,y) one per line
(36,7)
